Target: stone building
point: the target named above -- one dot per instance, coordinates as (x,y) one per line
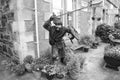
(21,28)
(31,16)
(6,32)
(86,20)
(22,21)
(26,19)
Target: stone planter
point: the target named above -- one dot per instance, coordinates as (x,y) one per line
(112,57)
(112,62)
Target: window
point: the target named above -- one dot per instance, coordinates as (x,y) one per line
(29,25)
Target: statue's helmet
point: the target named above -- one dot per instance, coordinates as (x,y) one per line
(57,21)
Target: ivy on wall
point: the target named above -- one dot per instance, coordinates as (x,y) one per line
(6,33)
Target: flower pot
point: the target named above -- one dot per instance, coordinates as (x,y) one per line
(112,57)
(112,62)
(28,67)
(60,76)
(37,74)
(50,77)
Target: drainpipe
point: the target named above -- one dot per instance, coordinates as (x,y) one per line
(36,28)
(94,20)
(104,12)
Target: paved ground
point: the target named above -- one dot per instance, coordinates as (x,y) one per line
(92,70)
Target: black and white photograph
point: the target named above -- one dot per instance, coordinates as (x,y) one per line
(59,39)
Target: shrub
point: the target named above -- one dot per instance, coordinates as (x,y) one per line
(73,65)
(37,67)
(10,66)
(88,40)
(28,59)
(103,31)
(19,69)
(55,71)
(15,60)
(113,51)
(45,59)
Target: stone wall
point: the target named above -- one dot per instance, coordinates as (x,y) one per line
(44,9)
(85,23)
(26,30)
(84,18)
(7,37)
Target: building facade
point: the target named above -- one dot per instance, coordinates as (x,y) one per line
(22,22)
(29,16)
(7,38)
(97,12)
(27,34)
